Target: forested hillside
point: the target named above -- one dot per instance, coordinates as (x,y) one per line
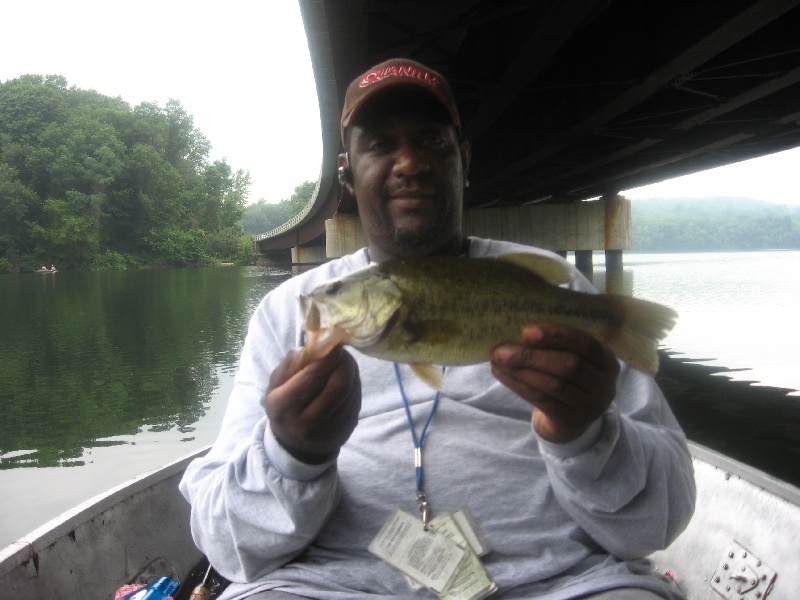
(86,181)
(700,224)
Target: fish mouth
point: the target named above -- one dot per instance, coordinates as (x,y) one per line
(321,332)
(310,312)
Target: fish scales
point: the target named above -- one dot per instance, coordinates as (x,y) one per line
(479,303)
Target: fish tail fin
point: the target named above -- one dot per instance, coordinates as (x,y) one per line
(644,324)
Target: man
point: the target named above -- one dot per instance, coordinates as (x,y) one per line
(313,460)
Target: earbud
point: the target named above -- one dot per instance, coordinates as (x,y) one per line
(343,172)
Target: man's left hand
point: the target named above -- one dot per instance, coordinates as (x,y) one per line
(567,375)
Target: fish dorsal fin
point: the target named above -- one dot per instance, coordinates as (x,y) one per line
(550,269)
(430,374)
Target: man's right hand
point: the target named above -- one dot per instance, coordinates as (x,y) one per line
(313,409)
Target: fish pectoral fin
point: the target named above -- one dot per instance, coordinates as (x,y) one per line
(435,332)
(551,270)
(430,374)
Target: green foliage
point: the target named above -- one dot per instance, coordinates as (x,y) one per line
(111,260)
(16,201)
(224,242)
(88,182)
(177,247)
(262,216)
(716,224)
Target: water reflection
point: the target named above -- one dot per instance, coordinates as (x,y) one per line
(736,310)
(614,282)
(88,357)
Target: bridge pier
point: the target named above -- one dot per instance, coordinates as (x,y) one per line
(343,235)
(584,261)
(579,227)
(309,255)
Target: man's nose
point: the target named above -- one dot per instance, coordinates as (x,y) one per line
(410,161)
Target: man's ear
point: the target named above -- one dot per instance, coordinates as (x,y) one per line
(344,174)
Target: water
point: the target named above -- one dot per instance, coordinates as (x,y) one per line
(104,376)
(736,309)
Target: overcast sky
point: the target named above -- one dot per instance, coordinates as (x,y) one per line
(242,70)
(774,178)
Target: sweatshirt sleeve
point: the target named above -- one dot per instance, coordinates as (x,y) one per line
(255,507)
(629,483)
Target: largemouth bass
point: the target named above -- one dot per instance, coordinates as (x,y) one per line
(443,310)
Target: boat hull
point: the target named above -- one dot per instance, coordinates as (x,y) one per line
(141,529)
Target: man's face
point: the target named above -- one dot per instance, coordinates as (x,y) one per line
(408,179)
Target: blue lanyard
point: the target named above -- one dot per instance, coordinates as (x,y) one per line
(424,506)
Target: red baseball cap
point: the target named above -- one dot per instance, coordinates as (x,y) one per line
(397,72)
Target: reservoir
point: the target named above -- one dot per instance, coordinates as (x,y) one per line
(106,375)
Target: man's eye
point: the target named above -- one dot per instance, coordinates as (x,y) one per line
(434,141)
(377,144)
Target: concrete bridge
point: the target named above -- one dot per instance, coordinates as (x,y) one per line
(562,102)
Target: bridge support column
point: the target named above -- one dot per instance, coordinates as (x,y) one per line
(613,260)
(583,260)
(343,235)
(308,255)
(579,227)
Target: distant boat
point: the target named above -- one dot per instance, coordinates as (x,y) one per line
(741,543)
(46,271)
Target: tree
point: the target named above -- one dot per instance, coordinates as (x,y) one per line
(16,199)
(262,216)
(88,181)
(29,104)
(67,237)
(222,197)
(186,148)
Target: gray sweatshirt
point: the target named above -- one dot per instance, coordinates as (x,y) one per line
(562,520)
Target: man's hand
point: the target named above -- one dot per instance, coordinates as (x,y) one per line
(313,409)
(568,376)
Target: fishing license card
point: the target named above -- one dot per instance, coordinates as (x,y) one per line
(428,557)
(470,581)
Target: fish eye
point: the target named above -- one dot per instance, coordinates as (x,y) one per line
(332,288)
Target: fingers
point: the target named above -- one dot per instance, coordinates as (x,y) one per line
(556,359)
(566,349)
(286,380)
(313,408)
(566,374)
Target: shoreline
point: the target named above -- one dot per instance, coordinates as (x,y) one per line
(754,424)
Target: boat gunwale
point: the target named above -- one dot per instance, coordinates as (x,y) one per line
(758,478)
(28,546)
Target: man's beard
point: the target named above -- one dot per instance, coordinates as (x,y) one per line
(438,232)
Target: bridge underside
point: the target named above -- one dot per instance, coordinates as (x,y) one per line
(567,100)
